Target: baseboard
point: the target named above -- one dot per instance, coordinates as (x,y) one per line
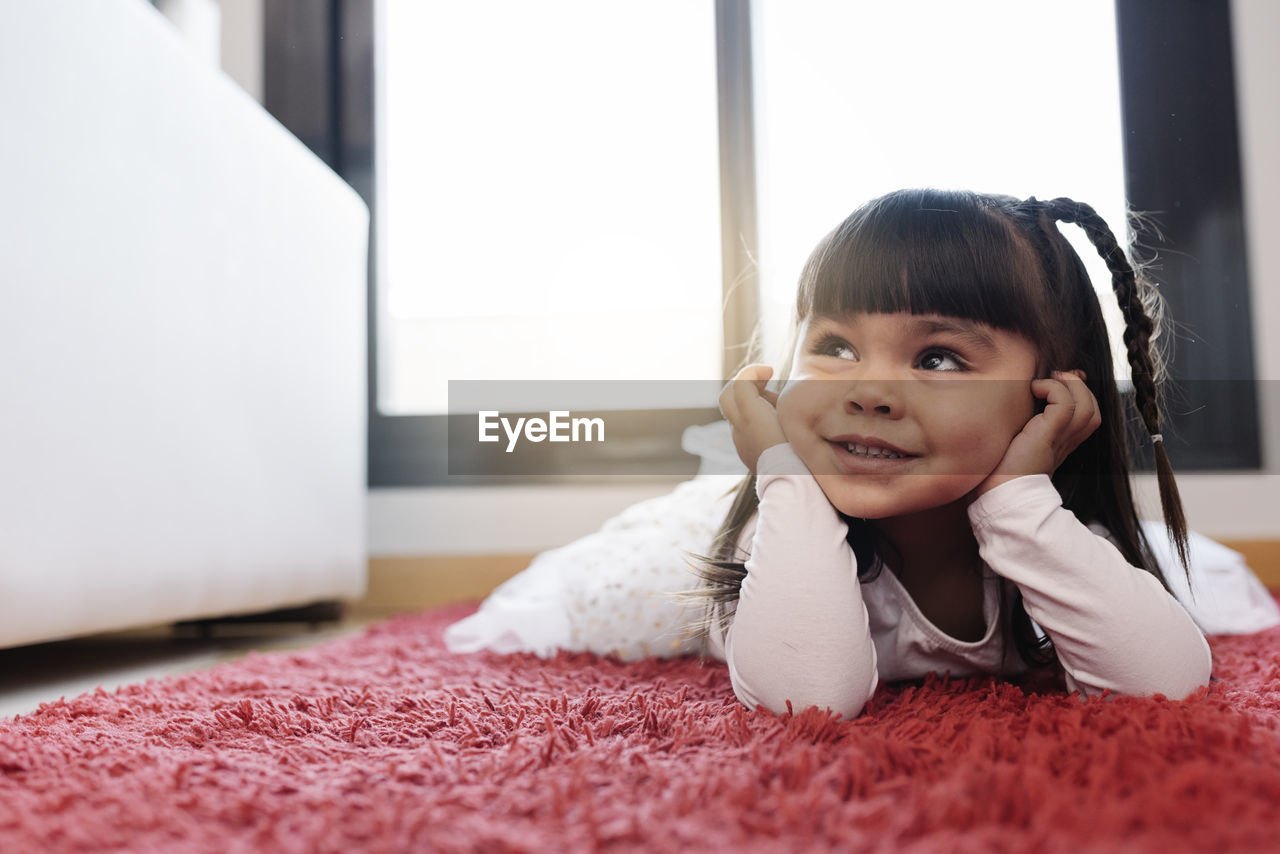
(399,584)
(1263,557)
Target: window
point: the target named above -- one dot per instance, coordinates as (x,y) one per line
(550,195)
(1175,115)
(858,99)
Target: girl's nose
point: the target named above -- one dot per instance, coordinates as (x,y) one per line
(880,397)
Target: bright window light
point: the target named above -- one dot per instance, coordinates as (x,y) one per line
(855,99)
(549,177)
(549,170)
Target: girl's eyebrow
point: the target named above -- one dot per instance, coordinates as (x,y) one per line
(969,332)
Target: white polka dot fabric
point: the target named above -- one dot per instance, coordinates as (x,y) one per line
(612,592)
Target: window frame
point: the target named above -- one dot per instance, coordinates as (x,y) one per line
(319,70)
(1183,168)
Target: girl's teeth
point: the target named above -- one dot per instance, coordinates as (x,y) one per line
(864,451)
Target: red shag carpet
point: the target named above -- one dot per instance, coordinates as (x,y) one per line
(386,742)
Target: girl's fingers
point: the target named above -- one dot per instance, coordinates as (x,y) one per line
(744,394)
(1086,416)
(1072,413)
(755,373)
(728,408)
(745,388)
(761,379)
(729,402)
(1060,404)
(757,376)
(749,406)
(749,384)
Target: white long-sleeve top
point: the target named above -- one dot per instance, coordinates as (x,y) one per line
(806,630)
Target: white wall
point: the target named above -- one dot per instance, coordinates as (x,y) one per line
(458,520)
(519,519)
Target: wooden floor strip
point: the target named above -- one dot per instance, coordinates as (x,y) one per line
(399,584)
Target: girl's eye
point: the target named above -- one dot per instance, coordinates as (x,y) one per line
(941,360)
(833,346)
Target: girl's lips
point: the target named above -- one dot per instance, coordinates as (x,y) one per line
(868,441)
(848,462)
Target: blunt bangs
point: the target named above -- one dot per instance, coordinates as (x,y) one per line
(927,252)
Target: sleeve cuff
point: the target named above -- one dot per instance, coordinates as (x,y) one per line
(780,459)
(1019,493)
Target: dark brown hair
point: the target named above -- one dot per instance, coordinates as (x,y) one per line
(1003,262)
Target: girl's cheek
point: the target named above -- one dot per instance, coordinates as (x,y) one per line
(799,405)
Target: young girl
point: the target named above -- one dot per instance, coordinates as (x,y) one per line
(940,486)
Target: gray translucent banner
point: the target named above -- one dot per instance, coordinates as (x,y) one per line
(550,429)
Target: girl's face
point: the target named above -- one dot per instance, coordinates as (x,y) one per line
(899,413)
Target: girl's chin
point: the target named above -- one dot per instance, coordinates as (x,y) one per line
(865,506)
(872,513)
(910,495)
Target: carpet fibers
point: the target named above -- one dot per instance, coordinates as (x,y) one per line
(386,742)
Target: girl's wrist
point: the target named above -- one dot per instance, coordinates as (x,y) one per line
(755,468)
(779,459)
(995,481)
(991,483)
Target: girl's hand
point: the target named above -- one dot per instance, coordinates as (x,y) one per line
(1070,416)
(750,408)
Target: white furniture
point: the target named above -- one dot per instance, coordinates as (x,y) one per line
(182,337)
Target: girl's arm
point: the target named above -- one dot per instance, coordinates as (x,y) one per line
(1114,627)
(800,632)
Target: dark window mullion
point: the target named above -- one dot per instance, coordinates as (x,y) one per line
(1182,165)
(739,234)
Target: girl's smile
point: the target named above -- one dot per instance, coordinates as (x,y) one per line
(868,455)
(876,397)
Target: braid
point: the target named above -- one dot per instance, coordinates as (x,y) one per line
(1138,332)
